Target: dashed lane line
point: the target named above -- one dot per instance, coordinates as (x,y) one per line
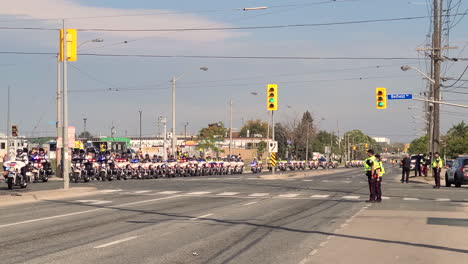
(227,193)
(116,242)
(200,217)
(258,194)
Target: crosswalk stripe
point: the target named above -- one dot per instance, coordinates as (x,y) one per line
(258,194)
(351,197)
(228,193)
(320,196)
(307,180)
(169,192)
(198,193)
(385,198)
(411,199)
(289,195)
(442,199)
(110,190)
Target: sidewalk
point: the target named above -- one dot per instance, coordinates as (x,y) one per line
(28,197)
(398,236)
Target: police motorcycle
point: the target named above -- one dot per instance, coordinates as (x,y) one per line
(79,171)
(291,165)
(256,166)
(103,168)
(282,166)
(121,168)
(41,168)
(314,164)
(17,170)
(323,163)
(301,165)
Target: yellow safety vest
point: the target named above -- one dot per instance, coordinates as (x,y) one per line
(382,169)
(437,163)
(367,167)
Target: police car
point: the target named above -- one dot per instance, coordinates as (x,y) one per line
(458,173)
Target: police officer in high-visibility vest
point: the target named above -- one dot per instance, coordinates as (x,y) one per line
(436,168)
(370,164)
(378,183)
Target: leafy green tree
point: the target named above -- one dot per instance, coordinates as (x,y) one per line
(304,129)
(261,147)
(419,146)
(209,137)
(456,140)
(85,134)
(282,136)
(254,127)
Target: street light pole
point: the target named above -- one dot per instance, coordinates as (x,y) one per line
(164,121)
(230,128)
(174,137)
(185,130)
(84,124)
(140,112)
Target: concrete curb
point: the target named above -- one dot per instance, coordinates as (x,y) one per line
(16,198)
(302,174)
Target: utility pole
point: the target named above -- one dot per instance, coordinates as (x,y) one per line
(8,125)
(58,156)
(437,48)
(164,121)
(65,149)
(230,128)
(174,137)
(185,130)
(84,124)
(140,112)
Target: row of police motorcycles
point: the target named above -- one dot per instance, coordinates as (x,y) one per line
(257,167)
(354,164)
(108,167)
(25,169)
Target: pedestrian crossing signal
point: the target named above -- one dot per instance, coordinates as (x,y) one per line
(381,98)
(272,97)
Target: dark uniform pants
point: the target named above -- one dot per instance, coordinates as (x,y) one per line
(372,188)
(378,188)
(405,173)
(436,176)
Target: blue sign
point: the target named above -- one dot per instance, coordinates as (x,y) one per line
(399,96)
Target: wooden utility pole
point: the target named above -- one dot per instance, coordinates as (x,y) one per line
(437,59)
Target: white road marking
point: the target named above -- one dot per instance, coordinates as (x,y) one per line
(443,200)
(110,190)
(385,198)
(258,194)
(203,216)
(251,178)
(351,197)
(145,191)
(86,201)
(289,195)
(326,181)
(116,242)
(84,212)
(198,193)
(169,192)
(411,199)
(345,181)
(250,203)
(307,180)
(100,202)
(317,196)
(232,178)
(228,193)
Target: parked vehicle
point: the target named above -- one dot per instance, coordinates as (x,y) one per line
(458,173)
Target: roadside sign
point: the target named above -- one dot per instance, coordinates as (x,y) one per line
(272,160)
(399,96)
(273,146)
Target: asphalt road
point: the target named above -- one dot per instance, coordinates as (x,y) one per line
(226,219)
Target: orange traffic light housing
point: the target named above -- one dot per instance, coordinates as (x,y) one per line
(381,98)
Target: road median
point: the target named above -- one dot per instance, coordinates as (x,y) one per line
(301,174)
(29,197)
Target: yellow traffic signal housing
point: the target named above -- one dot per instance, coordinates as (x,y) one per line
(14,130)
(72,45)
(272,97)
(381,98)
(366,145)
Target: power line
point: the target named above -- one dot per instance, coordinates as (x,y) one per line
(179,12)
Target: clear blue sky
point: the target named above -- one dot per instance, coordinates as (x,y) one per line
(336,90)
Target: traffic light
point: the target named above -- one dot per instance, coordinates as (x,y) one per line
(14,130)
(72,45)
(381,98)
(272,97)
